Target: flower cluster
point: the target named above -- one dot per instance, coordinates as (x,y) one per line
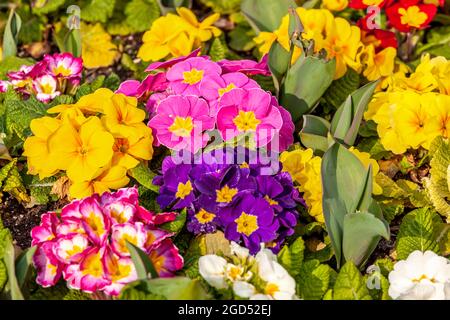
(94,151)
(235,191)
(86,244)
(176,35)
(340,40)
(97,49)
(55,75)
(422,276)
(305,169)
(255,278)
(415,108)
(403,15)
(196,95)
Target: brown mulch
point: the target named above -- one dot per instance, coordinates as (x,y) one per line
(20,220)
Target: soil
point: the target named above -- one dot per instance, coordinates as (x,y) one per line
(20,220)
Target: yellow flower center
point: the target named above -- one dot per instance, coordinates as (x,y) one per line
(234,273)
(51,268)
(62,71)
(424,277)
(183,189)
(271,201)
(118,215)
(228,88)
(46,88)
(96,223)
(123,241)
(182,127)
(412,16)
(204,216)
(158,261)
(247,224)
(271,289)
(120,272)
(226,194)
(94,266)
(121,145)
(192,77)
(246,121)
(75,249)
(244,165)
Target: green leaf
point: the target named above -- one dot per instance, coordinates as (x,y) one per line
(11,34)
(176,225)
(362,231)
(7,254)
(72,42)
(112,82)
(417,232)
(218,50)
(314,134)
(386,266)
(3,275)
(176,288)
(142,263)
(223,6)
(279,62)
(265,15)
(350,284)
(300,94)
(241,38)
(314,280)
(291,257)
(341,88)
(437,42)
(144,176)
(48,6)
(97,10)
(23,265)
(11,182)
(347,120)
(140,14)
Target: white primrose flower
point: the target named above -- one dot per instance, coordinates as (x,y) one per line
(279,284)
(238,251)
(422,276)
(244,289)
(213,269)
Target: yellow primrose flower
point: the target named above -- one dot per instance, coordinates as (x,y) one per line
(378,65)
(136,146)
(201,31)
(88,104)
(97,49)
(439,110)
(109,178)
(366,160)
(412,120)
(335,5)
(81,152)
(343,43)
(304,169)
(439,68)
(36,149)
(122,114)
(167,36)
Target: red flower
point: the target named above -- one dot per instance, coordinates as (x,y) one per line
(364,4)
(409,14)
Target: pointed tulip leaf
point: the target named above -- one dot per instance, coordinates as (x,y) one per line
(142,263)
(11,34)
(265,15)
(23,264)
(305,83)
(314,133)
(362,231)
(348,117)
(279,61)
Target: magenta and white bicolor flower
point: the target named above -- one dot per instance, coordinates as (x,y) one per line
(121,271)
(169,63)
(46,231)
(46,88)
(186,77)
(215,86)
(155,236)
(4,86)
(89,275)
(95,223)
(64,65)
(48,268)
(249,67)
(181,123)
(120,212)
(70,248)
(251,111)
(129,195)
(166,259)
(152,83)
(133,233)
